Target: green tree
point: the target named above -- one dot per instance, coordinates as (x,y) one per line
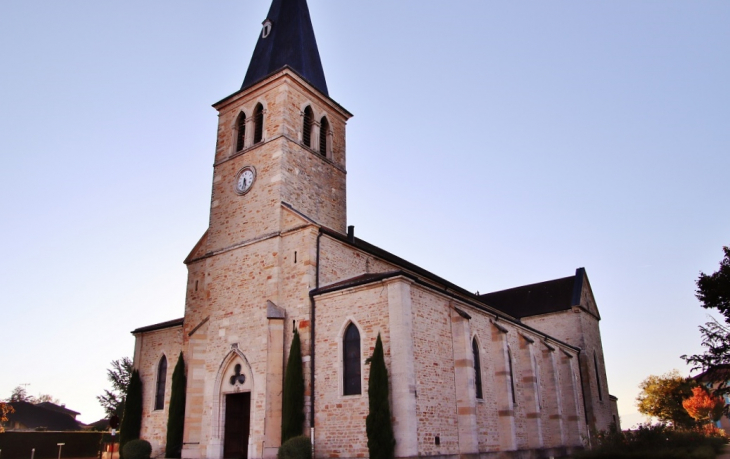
(713,291)
(292,408)
(119,374)
(132,419)
(381,442)
(42,398)
(661,397)
(19,394)
(176,413)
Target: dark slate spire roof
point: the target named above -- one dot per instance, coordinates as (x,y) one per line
(290,43)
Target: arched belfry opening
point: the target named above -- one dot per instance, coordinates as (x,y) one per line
(258,122)
(307,127)
(324,140)
(241,131)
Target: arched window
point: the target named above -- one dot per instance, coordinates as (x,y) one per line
(258,120)
(598,377)
(477,367)
(351,361)
(324,129)
(307,127)
(240,131)
(511,375)
(161,380)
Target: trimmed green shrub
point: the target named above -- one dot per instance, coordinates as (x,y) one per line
(176,414)
(292,405)
(381,442)
(295,448)
(132,419)
(137,449)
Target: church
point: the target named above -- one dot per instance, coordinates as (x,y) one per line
(514,373)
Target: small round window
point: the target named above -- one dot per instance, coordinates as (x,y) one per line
(266,29)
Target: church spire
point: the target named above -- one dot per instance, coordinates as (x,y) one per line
(287,39)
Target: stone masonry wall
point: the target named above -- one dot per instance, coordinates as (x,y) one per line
(231,303)
(434,367)
(340,261)
(150,347)
(340,419)
(581,329)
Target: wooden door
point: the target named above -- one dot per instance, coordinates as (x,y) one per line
(238,415)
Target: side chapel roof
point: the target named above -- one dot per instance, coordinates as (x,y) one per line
(159,326)
(289,43)
(541,298)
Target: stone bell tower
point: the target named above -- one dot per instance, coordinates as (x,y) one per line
(278,174)
(281,139)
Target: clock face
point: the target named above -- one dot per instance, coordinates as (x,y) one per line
(245,179)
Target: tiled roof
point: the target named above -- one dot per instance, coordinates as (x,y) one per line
(358,280)
(534,299)
(720,373)
(59,408)
(160,326)
(34,416)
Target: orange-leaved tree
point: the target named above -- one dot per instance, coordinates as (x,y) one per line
(703,407)
(5,409)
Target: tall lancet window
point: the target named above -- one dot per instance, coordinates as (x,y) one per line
(477,367)
(307,127)
(351,361)
(511,375)
(324,129)
(258,121)
(161,380)
(240,131)
(598,376)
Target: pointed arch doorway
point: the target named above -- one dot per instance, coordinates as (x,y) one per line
(233,414)
(237,425)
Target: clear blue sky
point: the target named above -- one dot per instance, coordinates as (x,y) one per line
(494,143)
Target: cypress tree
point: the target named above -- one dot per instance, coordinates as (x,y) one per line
(292,409)
(381,442)
(176,413)
(132,419)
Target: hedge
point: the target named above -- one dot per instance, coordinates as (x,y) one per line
(77,444)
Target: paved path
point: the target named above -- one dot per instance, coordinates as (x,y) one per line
(725,454)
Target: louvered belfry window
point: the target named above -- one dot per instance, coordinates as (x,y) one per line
(351,361)
(307,127)
(240,131)
(161,380)
(258,119)
(324,127)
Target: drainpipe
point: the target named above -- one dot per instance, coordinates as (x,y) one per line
(311,341)
(583,393)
